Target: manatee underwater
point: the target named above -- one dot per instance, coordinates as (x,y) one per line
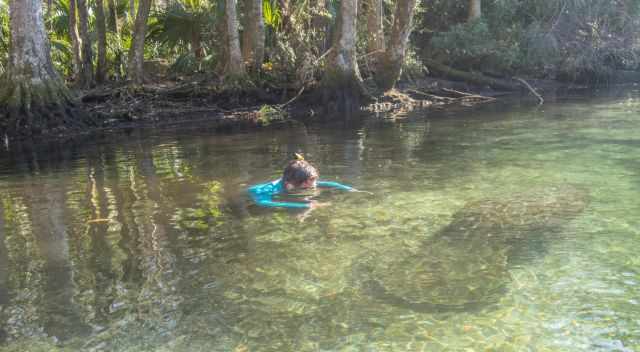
(465,265)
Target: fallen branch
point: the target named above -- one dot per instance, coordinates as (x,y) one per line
(370,53)
(448,90)
(465,97)
(476,78)
(432,96)
(292,99)
(533,91)
(323,56)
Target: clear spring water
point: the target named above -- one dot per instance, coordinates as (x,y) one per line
(148,242)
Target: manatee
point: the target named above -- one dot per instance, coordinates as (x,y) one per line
(465,264)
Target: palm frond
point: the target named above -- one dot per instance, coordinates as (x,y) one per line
(180,22)
(271,13)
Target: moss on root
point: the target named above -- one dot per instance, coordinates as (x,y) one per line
(342,92)
(387,73)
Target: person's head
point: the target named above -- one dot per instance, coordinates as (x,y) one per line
(299,174)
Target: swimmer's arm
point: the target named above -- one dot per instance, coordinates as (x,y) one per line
(336,185)
(268,203)
(340,186)
(266,200)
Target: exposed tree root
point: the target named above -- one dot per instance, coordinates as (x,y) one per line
(398,104)
(46,109)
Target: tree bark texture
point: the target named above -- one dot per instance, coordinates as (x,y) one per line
(101,31)
(86,69)
(34,98)
(136,52)
(196,46)
(253,35)
(76,43)
(132,11)
(375,27)
(342,84)
(235,64)
(390,67)
(285,15)
(475,10)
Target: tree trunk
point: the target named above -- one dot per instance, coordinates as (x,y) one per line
(115,28)
(285,15)
(86,69)
(132,11)
(101,31)
(253,35)
(390,67)
(136,52)
(48,18)
(234,65)
(375,27)
(196,46)
(76,43)
(33,97)
(475,10)
(342,88)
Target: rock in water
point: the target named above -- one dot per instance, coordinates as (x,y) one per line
(465,265)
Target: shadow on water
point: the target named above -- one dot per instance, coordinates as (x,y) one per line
(110,237)
(45,197)
(465,265)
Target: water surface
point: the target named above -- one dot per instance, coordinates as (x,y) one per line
(506,228)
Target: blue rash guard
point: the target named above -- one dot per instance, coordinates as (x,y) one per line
(263,193)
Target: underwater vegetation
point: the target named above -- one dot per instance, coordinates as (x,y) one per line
(464,266)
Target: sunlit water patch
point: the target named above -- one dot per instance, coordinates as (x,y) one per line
(505,229)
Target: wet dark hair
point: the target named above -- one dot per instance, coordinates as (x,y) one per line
(298,171)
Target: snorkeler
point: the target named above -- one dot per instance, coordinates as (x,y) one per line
(298,175)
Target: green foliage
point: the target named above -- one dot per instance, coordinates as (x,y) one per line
(182,33)
(184,63)
(269,113)
(413,66)
(187,63)
(296,44)
(61,55)
(4,36)
(583,40)
(181,23)
(271,13)
(58,25)
(473,46)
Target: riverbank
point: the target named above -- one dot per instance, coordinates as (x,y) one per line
(170,103)
(167,103)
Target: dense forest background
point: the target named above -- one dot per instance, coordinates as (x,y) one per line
(343,49)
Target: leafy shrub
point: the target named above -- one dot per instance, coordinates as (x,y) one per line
(413,66)
(472,46)
(575,40)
